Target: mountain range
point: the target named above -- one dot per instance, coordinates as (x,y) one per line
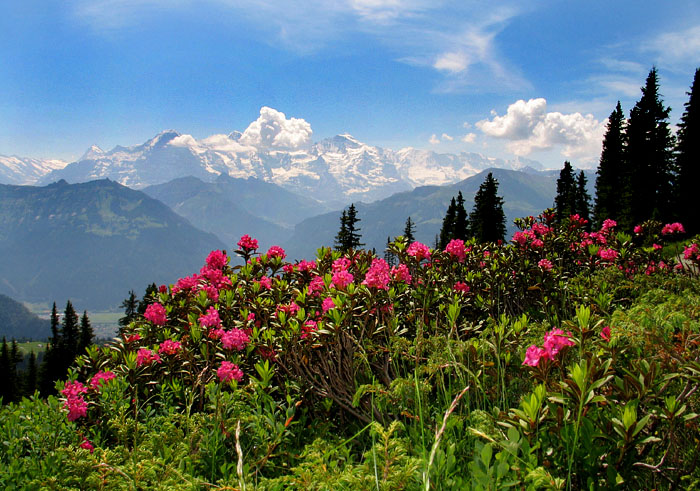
(24,170)
(334,171)
(92,243)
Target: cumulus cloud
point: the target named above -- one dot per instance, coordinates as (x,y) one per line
(529,127)
(469,138)
(272,130)
(434,140)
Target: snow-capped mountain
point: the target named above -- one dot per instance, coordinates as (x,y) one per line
(20,170)
(279,150)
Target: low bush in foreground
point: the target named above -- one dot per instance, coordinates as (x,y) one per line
(565,359)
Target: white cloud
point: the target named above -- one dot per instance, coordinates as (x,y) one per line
(274,131)
(452,62)
(434,140)
(447,137)
(469,138)
(530,127)
(679,48)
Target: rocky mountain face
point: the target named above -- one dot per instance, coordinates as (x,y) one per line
(23,170)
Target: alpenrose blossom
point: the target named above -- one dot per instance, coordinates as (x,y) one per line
(545,264)
(228,372)
(692,252)
(97,380)
(341,264)
(87,445)
(327,304)
(265,282)
(401,273)
(248,244)
(607,254)
(211,318)
(155,313)
(378,275)
(461,287)
(235,339)
(144,356)
(608,224)
(276,251)
(75,404)
(456,249)
(216,259)
(341,279)
(169,347)
(533,356)
(308,328)
(673,228)
(605,333)
(554,341)
(316,286)
(419,251)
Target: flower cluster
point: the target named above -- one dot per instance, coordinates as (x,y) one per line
(211,318)
(456,249)
(228,372)
(75,403)
(401,273)
(169,347)
(554,341)
(378,275)
(155,313)
(419,251)
(673,228)
(276,251)
(99,377)
(235,339)
(146,357)
(216,259)
(247,244)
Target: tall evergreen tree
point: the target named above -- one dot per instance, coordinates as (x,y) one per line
(7,381)
(688,160)
(583,199)
(408,231)
(649,159)
(488,222)
(86,333)
(447,231)
(51,365)
(609,182)
(461,227)
(147,299)
(389,256)
(341,239)
(354,235)
(131,309)
(31,375)
(71,335)
(565,200)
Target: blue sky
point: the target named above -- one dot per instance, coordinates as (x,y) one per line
(533,79)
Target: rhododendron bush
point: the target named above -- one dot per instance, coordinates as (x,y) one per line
(516,341)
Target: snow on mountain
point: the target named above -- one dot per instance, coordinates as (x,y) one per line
(279,150)
(22,170)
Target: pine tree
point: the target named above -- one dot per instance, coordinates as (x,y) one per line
(30,375)
(353,231)
(86,333)
(51,365)
(688,160)
(488,222)
(447,231)
(389,256)
(341,239)
(583,199)
(461,225)
(565,200)
(147,299)
(131,309)
(609,181)
(71,335)
(649,158)
(408,231)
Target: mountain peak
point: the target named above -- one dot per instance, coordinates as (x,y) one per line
(162,139)
(92,153)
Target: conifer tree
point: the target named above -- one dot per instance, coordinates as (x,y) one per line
(583,199)
(649,158)
(341,239)
(51,365)
(131,309)
(408,231)
(147,299)
(448,224)
(688,160)
(565,200)
(488,222)
(86,333)
(354,235)
(609,182)
(71,335)
(461,226)
(30,375)
(6,380)
(389,256)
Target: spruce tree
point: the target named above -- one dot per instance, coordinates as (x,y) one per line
(488,222)
(86,333)
(341,239)
(6,380)
(447,231)
(353,231)
(688,160)
(389,256)
(649,158)
(609,182)
(408,231)
(71,335)
(583,199)
(461,225)
(565,200)
(131,309)
(147,299)
(30,376)
(51,365)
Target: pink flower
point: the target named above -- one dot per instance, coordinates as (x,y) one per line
(290,309)
(607,254)
(401,273)
(533,356)
(341,264)
(461,287)
(316,286)
(341,279)
(308,328)
(76,405)
(673,228)
(692,251)
(537,243)
(212,292)
(276,251)
(657,247)
(144,356)
(156,314)
(605,333)
(328,304)
(132,338)
(305,265)
(266,282)
(235,338)
(162,289)
(288,268)
(186,284)
(87,445)
(456,249)
(216,259)
(554,341)
(248,244)
(169,347)
(74,389)
(419,251)
(545,264)
(99,377)
(638,229)
(378,275)
(211,318)
(228,372)
(608,224)
(520,238)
